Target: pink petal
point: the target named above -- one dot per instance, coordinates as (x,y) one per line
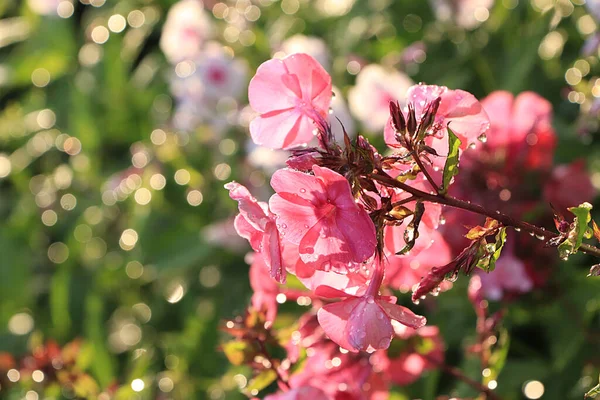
(248,232)
(359,232)
(329,292)
(464,115)
(271,250)
(403,315)
(530,112)
(325,246)
(422,95)
(333,318)
(314,81)
(368,326)
(249,207)
(337,187)
(498,105)
(281,129)
(267,92)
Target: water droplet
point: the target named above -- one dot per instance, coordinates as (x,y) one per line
(283,226)
(472,145)
(436,168)
(333,95)
(379,315)
(531,233)
(417,301)
(442,220)
(306,226)
(482,138)
(517,229)
(540,237)
(302,190)
(370,299)
(565,258)
(384,343)
(330,110)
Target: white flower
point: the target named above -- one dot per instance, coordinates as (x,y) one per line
(186,29)
(375,88)
(313,46)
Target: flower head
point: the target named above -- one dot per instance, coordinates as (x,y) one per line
(289,94)
(319,214)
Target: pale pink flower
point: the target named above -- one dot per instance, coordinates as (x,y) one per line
(363,323)
(289,94)
(458,110)
(300,393)
(375,87)
(256,224)
(187,27)
(311,45)
(319,214)
(465,13)
(509,276)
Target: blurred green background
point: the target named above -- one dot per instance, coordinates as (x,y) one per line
(114,224)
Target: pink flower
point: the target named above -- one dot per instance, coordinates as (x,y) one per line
(375,87)
(300,393)
(363,323)
(458,109)
(186,29)
(568,186)
(319,214)
(510,276)
(256,224)
(289,94)
(312,45)
(403,272)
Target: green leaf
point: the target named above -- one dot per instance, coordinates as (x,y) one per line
(238,352)
(411,234)
(578,231)
(451,166)
(500,240)
(582,220)
(593,392)
(260,381)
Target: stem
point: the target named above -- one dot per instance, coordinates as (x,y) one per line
(458,374)
(506,220)
(426,173)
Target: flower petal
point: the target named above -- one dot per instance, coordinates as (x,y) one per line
(333,318)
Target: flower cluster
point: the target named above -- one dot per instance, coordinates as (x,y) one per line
(349,222)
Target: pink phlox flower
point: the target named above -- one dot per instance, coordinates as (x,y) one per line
(509,276)
(569,185)
(319,214)
(458,110)
(289,94)
(403,272)
(363,323)
(257,224)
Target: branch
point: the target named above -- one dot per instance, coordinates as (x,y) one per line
(506,220)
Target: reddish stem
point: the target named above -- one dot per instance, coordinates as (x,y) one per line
(506,220)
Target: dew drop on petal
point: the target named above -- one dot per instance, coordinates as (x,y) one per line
(472,145)
(517,229)
(482,138)
(302,190)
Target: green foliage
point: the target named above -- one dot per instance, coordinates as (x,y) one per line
(451,165)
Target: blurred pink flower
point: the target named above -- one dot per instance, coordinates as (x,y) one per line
(186,29)
(509,276)
(256,224)
(311,45)
(568,186)
(289,94)
(375,87)
(318,213)
(265,289)
(44,7)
